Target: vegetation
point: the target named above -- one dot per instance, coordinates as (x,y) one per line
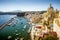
(50,37)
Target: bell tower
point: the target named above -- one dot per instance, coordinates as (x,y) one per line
(51,6)
(50,9)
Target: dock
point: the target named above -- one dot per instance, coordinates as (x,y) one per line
(5,24)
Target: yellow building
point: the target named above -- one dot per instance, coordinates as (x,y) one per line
(51,14)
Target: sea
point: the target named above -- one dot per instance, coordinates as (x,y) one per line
(17,29)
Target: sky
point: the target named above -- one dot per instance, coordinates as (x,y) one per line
(28,5)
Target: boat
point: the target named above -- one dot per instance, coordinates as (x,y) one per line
(24,26)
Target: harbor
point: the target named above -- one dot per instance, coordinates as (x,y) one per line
(5,24)
(16,28)
(33,25)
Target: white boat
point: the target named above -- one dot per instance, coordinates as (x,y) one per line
(9,37)
(24,26)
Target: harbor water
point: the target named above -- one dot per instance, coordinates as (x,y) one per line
(17,29)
